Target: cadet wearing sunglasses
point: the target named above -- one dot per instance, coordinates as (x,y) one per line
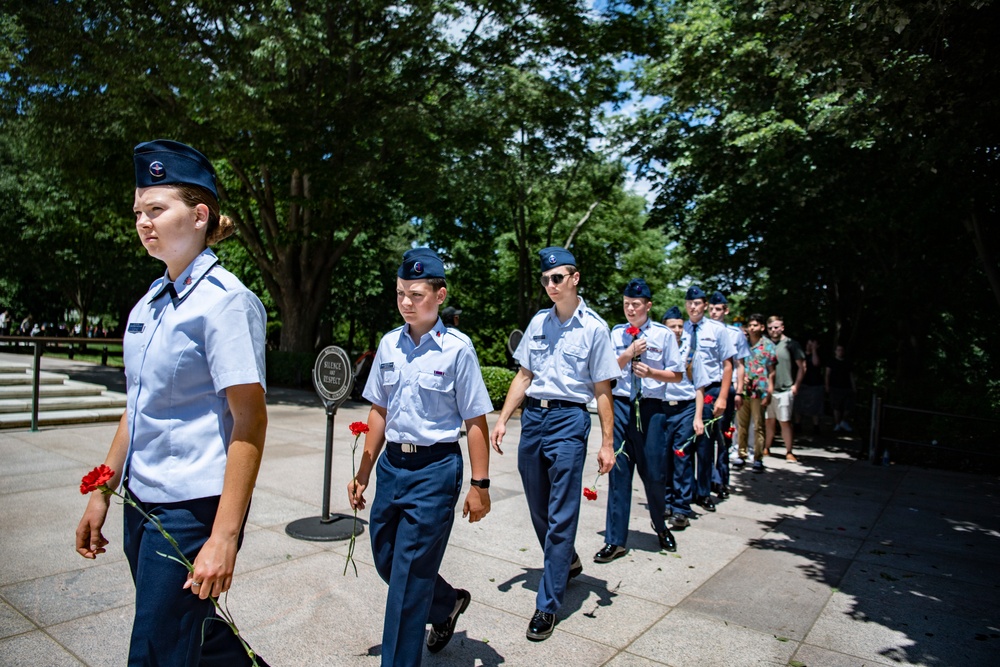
(566,359)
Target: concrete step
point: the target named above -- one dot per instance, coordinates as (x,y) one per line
(108,399)
(57,417)
(67,388)
(24,377)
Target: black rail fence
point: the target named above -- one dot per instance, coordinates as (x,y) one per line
(929,437)
(37,345)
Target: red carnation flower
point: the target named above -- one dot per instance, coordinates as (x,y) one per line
(358,428)
(708,399)
(679,453)
(632,331)
(590,494)
(95,479)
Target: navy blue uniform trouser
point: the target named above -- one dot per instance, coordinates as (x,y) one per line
(678,432)
(169,620)
(411,520)
(642,450)
(550,459)
(721,473)
(705,448)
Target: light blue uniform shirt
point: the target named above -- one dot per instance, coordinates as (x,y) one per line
(427,389)
(715,345)
(566,359)
(661,354)
(685,389)
(181,353)
(739,341)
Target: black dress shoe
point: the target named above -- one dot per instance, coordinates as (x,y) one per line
(706,503)
(679,522)
(609,553)
(541,626)
(441,633)
(667,541)
(723,492)
(576,567)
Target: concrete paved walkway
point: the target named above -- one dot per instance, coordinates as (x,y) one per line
(828,562)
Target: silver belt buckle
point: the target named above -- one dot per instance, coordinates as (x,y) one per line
(408,447)
(544,403)
(672,403)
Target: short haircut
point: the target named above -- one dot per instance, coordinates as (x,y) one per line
(436,283)
(572,269)
(776,318)
(756,317)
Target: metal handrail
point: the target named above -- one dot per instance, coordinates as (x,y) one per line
(878,413)
(39,343)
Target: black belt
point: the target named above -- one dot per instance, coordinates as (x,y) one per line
(550,403)
(714,385)
(410,448)
(642,399)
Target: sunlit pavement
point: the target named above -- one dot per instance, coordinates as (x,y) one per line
(827,562)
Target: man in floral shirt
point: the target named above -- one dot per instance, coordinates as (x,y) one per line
(757,390)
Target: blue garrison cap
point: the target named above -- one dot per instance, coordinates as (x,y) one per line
(717,297)
(638,289)
(420,263)
(165,162)
(694,292)
(554,256)
(674,313)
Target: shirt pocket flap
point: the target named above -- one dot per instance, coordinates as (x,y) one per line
(390,378)
(577,351)
(435,382)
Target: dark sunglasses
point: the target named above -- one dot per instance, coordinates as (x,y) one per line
(556,279)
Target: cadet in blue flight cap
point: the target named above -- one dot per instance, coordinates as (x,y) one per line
(718,308)
(425,382)
(711,343)
(195,418)
(566,359)
(683,404)
(648,357)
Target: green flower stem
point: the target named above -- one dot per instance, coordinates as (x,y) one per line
(223,612)
(354,529)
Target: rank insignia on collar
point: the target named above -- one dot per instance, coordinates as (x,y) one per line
(187,281)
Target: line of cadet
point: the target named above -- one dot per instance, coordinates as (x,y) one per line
(656,387)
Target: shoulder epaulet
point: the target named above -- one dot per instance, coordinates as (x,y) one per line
(657,325)
(619,326)
(459,335)
(587,311)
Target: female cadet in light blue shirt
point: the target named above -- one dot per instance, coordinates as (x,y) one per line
(191,439)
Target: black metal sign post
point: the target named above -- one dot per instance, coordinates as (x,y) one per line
(333,378)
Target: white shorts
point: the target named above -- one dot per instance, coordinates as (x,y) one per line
(780,406)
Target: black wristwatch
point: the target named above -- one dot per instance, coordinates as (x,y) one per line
(481,483)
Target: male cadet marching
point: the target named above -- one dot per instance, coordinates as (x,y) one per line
(718,308)
(682,422)
(648,357)
(425,382)
(711,343)
(566,359)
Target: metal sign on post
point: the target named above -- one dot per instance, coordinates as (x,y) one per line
(333,378)
(513,340)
